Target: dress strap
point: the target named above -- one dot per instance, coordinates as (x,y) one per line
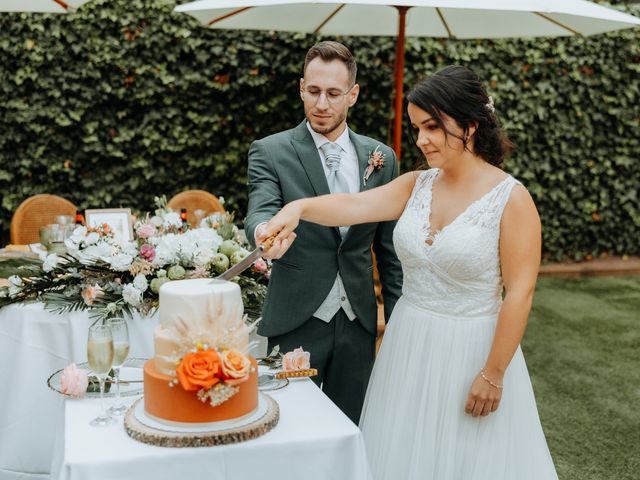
(502,194)
(421,187)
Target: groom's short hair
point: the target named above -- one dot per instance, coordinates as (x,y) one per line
(329,51)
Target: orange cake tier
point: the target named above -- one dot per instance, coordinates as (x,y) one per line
(174,404)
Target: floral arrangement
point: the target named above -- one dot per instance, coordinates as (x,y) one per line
(213,373)
(109,278)
(375,162)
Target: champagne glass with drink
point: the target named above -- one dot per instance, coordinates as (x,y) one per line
(120,334)
(100,355)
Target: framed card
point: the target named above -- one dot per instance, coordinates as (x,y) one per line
(119,219)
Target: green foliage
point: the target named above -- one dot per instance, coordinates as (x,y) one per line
(126,100)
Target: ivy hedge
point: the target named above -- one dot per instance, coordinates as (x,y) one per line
(125,100)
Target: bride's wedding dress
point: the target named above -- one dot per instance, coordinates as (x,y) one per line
(437,340)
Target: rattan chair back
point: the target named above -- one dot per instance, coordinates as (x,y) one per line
(194,200)
(35,212)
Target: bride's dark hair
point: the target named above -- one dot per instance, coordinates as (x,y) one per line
(458,92)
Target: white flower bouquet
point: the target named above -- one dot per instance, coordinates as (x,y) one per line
(110,278)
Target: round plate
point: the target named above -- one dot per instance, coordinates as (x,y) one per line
(131,370)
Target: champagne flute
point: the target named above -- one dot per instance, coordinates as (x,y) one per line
(100,355)
(120,334)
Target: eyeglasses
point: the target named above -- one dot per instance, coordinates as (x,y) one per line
(333,96)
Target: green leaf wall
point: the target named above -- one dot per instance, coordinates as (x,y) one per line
(125,100)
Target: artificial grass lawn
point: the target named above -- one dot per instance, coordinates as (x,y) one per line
(582,348)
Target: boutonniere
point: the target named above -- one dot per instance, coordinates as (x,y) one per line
(376,162)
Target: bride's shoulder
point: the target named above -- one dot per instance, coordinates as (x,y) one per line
(519,201)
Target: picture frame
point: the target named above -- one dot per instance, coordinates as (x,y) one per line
(119,219)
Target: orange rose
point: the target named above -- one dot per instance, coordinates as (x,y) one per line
(199,369)
(235,366)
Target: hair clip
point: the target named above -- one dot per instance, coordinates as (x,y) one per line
(489,105)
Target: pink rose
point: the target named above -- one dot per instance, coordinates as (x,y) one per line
(296,360)
(146,230)
(90,293)
(260,265)
(148,252)
(74,381)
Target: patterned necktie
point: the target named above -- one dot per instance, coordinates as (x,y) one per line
(337,182)
(332,157)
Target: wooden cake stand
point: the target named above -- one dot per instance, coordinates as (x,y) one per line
(143,428)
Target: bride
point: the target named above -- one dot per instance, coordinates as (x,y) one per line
(450,395)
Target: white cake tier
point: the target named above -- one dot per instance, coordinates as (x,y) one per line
(195,311)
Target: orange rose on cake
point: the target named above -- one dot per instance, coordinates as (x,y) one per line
(235,366)
(199,369)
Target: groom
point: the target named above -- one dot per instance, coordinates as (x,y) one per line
(321,294)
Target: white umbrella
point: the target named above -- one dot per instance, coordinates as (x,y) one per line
(41,6)
(417,18)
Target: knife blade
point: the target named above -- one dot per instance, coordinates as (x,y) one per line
(242,265)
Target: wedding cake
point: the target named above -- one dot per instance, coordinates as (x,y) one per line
(200,372)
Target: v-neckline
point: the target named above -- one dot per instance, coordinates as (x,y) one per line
(433,235)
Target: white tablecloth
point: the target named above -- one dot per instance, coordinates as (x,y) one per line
(313,440)
(35,343)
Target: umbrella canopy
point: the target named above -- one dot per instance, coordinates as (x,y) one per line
(42,6)
(418,18)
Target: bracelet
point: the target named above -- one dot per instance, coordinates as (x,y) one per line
(484,377)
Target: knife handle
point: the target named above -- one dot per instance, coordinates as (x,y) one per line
(297,373)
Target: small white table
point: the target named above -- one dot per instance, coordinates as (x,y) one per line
(313,440)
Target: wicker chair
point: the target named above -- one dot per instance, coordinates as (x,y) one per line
(194,200)
(35,212)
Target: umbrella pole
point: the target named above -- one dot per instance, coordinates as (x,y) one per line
(399,74)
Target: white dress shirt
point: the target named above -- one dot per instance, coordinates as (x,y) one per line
(350,170)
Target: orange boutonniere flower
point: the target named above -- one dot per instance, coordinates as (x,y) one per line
(200,369)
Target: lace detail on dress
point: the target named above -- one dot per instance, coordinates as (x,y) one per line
(460,265)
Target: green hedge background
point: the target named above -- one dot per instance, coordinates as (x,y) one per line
(125,100)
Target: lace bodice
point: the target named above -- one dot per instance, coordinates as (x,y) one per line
(457,272)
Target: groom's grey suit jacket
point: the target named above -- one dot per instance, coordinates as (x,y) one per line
(286,167)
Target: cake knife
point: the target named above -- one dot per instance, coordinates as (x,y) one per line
(242,265)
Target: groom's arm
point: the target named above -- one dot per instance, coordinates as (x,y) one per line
(265,193)
(389,267)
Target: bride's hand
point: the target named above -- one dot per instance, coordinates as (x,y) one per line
(484,398)
(281,227)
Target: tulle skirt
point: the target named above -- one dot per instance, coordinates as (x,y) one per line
(413,420)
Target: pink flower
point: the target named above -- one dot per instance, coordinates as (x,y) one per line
(198,273)
(376,162)
(146,230)
(260,266)
(74,381)
(148,252)
(90,293)
(296,360)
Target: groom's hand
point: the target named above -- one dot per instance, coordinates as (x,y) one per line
(278,248)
